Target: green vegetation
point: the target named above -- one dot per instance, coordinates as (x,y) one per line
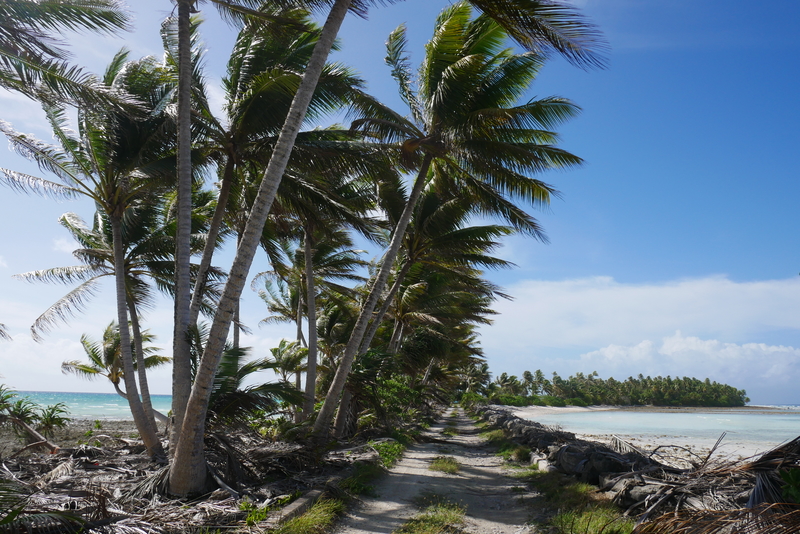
(576,507)
(316,520)
(441,517)
(584,390)
(445,464)
(359,482)
(390,451)
(171,183)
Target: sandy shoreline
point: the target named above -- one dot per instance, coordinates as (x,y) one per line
(730,448)
(77,432)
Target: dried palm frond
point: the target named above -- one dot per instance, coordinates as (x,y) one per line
(770,519)
(63,469)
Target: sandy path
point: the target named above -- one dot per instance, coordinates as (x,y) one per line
(495,503)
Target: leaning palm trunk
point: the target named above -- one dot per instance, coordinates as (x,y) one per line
(301,342)
(311,308)
(143,424)
(323,422)
(211,242)
(387,302)
(188,470)
(181,359)
(144,386)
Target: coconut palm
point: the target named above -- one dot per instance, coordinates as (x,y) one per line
(105,359)
(33,60)
(438,235)
(116,161)
(318,263)
(467,132)
(543,26)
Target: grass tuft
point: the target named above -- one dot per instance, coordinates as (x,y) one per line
(441,517)
(359,482)
(445,464)
(579,509)
(316,520)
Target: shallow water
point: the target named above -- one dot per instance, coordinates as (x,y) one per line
(94,405)
(748,430)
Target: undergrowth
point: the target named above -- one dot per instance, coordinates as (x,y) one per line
(316,520)
(439,516)
(359,483)
(445,464)
(389,451)
(577,507)
(505,447)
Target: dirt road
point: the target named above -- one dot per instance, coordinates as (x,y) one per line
(495,503)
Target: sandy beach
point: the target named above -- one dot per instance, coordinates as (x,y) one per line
(731,446)
(77,432)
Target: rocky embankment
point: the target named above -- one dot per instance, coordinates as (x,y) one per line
(642,482)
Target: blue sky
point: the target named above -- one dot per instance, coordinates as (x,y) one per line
(673,250)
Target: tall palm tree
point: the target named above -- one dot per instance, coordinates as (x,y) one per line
(551,26)
(116,161)
(318,263)
(468,131)
(33,60)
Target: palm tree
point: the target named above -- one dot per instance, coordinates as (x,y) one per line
(542,26)
(318,264)
(116,161)
(33,62)
(438,236)
(105,360)
(467,132)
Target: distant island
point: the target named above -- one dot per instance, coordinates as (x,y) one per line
(534,389)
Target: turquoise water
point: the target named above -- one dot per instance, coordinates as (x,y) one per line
(751,428)
(94,405)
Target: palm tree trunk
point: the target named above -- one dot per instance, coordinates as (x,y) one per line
(158,415)
(339,425)
(144,386)
(387,302)
(311,311)
(188,470)
(298,320)
(397,334)
(323,422)
(211,242)
(143,424)
(181,359)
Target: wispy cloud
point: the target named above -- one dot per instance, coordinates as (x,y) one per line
(3,262)
(63,244)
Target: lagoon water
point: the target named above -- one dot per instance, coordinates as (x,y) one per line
(109,406)
(749,430)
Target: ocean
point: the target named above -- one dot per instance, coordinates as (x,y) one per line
(108,406)
(749,430)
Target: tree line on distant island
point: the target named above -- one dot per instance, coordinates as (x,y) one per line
(583,390)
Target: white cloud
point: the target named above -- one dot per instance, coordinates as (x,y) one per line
(769,373)
(727,331)
(599,311)
(3,262)
(63,244)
